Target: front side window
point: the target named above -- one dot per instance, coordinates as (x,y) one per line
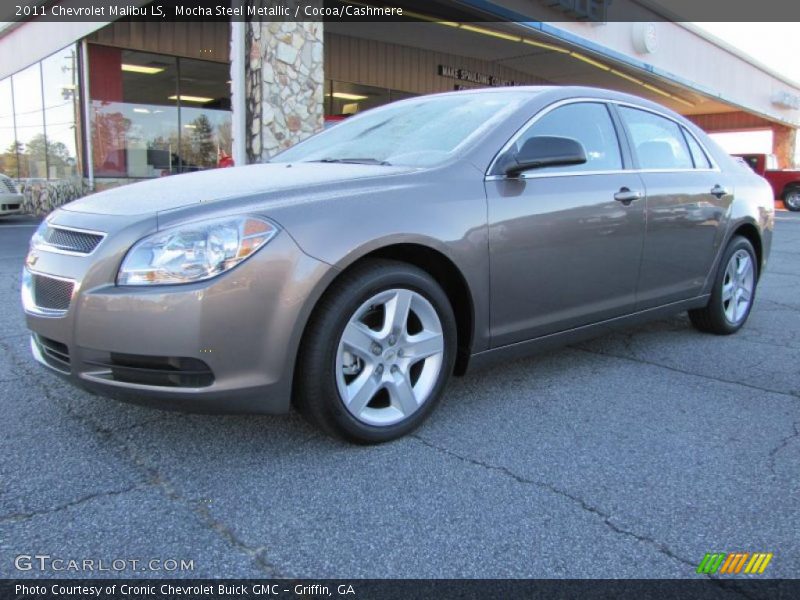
(657,141)
(587,122)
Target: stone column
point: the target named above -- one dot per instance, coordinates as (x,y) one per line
(784,145)
(284,85)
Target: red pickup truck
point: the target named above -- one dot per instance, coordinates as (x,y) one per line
(785,182)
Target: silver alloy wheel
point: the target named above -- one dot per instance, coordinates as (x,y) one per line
(792,199)
(389,357)
(737,286)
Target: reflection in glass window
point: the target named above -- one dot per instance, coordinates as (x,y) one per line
(134,114)
(658,142)
(343,100)
(61,106)
(38,123)
(698,155)
(29,119)
(421,132)
(591,125)
(9,152)
(155,115)
(350,98)
(205,114)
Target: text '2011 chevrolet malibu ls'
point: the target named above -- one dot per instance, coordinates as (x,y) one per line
(352,274)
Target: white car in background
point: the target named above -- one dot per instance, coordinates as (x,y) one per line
(10,197)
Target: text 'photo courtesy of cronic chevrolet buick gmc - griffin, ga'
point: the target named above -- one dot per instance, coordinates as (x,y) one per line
(354,273)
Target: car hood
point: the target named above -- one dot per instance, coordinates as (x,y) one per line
(219,185)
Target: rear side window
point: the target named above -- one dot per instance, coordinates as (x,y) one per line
(658,142)
(590,124)
(698,155)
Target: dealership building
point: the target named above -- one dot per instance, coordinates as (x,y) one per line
(88,105)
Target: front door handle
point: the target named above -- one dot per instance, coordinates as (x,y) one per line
(718,191)
(627,195)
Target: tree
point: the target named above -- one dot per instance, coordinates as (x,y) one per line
(201,149)
(9,160)
(109,131)
(56,153)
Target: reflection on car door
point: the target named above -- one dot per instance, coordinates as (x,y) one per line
(687,200)
(563,251)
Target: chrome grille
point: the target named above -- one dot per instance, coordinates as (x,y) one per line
(9,185)
(71,241)
(51,293)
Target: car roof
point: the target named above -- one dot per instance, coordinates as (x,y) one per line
(554,93)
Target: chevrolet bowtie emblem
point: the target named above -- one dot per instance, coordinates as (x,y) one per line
(31,259)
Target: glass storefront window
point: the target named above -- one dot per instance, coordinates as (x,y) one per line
(155,115)
(38,119)
(61,105)
(29,119)
(133,112)
(205,114)
(9,151)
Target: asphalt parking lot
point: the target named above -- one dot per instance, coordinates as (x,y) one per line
(628,456)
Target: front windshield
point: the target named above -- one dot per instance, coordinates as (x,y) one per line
(421,132)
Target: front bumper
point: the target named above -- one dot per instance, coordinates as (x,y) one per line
(227,344)
(11,204)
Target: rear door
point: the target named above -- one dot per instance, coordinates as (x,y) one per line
(565,242)
(687,203)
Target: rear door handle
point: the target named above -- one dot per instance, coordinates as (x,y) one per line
(718,191)
(627,195)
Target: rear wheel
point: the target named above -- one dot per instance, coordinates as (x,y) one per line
(733,293)
(791,199)
(377,353)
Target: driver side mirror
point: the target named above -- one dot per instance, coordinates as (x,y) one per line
(546,151)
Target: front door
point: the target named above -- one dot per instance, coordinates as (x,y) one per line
(565,243)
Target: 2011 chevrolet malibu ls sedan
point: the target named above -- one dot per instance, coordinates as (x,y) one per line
(355,272)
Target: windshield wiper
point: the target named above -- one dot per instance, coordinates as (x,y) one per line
(355,161)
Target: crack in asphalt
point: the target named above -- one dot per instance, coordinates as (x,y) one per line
(154,476)
(24,516)
(781,445)
(636,359)
(747,340)
(606,518)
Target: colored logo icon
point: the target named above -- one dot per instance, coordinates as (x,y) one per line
(734,563)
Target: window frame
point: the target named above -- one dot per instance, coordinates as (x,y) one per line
(691,138)
(630,162)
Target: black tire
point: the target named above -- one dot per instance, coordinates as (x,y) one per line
(791,198)
(712,317)
(316,395)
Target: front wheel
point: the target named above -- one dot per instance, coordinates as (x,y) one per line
(791,199)
(377,353)
(733,293)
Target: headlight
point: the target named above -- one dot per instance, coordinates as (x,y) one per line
(37,239)
(194,252)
